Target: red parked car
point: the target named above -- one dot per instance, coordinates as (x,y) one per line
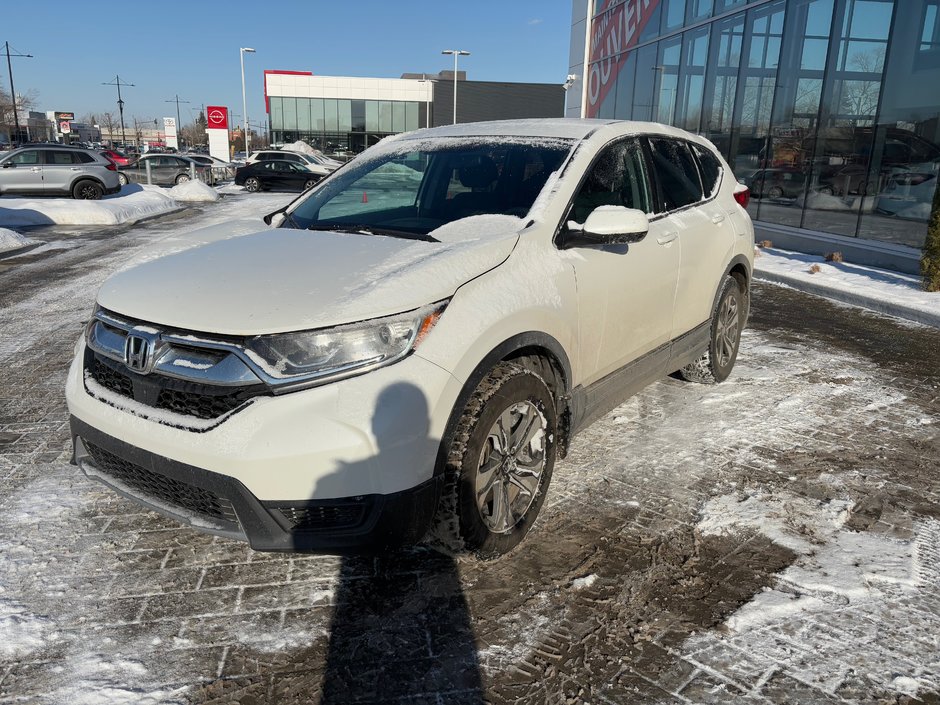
(117,157)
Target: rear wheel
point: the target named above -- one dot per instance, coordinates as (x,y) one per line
(499,463)
(775,192)
(253,184)
(182,179)
(123,180)
(726,325)
(88,190)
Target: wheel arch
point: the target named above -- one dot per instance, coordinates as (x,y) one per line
(546,353)
(740,269)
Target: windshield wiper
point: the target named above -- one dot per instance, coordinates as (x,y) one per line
(371,230)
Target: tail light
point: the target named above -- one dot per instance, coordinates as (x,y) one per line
(110,166)
(742,194)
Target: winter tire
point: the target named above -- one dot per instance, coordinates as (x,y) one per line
(182,179)
(252,184)
(88,190)
(499,463)
(123,180)
(726,325)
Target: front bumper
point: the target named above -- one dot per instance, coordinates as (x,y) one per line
(222,505)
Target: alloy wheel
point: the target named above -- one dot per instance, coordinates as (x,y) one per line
(726,335)
(510,466)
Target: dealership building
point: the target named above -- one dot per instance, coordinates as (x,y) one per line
(828,109)
(336,113)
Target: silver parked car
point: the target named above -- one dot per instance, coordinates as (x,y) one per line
(165,169)
(221,170)
(57,170)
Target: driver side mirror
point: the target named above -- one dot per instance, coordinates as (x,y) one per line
(9,164)
(610,225)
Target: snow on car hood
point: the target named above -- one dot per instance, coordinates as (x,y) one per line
(284,279)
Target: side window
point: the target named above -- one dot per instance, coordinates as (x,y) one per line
(710,169)
(676,173)
(59,158)
(617,178)
(28,158)
(84,157)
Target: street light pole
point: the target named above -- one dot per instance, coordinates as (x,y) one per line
(16,117)
(120,103)
(241,56)
(179,126)
(456,53)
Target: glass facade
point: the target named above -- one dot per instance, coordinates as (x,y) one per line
(340,125)
(828,109)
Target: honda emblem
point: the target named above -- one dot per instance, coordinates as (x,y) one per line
(138,352)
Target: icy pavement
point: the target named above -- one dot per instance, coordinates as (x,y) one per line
(772,539)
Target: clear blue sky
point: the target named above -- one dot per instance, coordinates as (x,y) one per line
(191,48)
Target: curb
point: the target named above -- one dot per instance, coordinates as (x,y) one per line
(927,318)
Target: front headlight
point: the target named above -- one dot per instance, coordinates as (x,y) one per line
(330,353)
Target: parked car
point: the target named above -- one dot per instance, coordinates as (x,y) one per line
(367,371)
(221,171)
(119,158)
(165,169)
(276,174)
(307,160)
(54,170)
(777,183)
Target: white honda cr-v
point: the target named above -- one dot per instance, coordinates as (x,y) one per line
(407,349)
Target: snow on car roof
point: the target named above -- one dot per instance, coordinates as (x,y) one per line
(571,128)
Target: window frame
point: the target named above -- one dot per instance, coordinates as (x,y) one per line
(698,170)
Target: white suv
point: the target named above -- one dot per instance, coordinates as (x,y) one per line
(409,347)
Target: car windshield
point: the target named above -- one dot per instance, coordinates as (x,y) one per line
(416,186)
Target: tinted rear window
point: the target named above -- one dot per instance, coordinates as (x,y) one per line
(676,173)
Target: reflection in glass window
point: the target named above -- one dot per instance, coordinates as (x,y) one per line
(722,80)
(692,78)
(667,77)
(646,82)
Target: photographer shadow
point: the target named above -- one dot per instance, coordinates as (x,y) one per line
(401,628)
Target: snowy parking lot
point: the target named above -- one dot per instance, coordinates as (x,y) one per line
(773,539)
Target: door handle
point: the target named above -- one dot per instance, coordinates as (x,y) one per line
(718,218)
(75,168)
(667,238)
(36,168)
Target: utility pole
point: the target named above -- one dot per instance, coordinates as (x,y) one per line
(16,117)
(120,103)
(179,126)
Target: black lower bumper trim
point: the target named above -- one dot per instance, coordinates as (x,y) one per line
(348,525)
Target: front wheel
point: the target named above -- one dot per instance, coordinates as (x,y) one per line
(499,463)
(252,184)
(182,179)
(726,326)
(311,183)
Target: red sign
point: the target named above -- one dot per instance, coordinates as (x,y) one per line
(216,117)
(613,33)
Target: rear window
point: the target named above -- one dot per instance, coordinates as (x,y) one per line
(710,168)
(676,173)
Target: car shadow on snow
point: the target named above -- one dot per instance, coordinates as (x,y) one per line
(18,218)
(401,627)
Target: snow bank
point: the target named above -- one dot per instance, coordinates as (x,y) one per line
(194,191)
(300,146)
(879,286)
(133,203)
(10,240)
